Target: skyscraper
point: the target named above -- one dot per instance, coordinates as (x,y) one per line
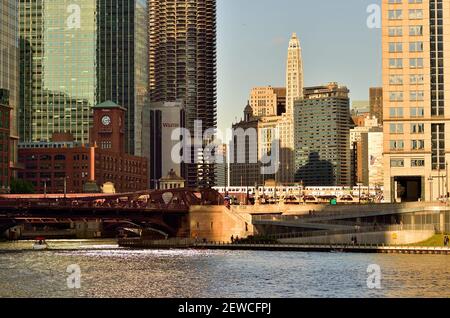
(294,74)
(416,89)
(294,91)
(9,79)
(182,66)
(322,136)
(75,55)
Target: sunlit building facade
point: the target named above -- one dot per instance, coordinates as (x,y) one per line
(416,94)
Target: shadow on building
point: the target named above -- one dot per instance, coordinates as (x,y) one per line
(316,172)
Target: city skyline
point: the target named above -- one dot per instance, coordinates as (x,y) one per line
(238,41)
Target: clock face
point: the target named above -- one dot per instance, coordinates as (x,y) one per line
(106,120)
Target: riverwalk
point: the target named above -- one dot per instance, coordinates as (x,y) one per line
(189,244)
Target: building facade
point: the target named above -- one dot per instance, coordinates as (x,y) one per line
(222,166)
(182,66)
(268,101)
(376,103)
(245,168)
(416,81)
(9,77)
(75,55)
(160,121)
(322,136)
(64,165)
(5,141)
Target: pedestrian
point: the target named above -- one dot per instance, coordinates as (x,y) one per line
(232,239)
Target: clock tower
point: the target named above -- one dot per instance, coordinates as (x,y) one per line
(108,129)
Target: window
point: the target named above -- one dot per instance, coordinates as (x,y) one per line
(417,144)
(395,63)
(416,96)
(416,63)
(395,31)
(438,146)
(416,47)
(395,80)
(416,79)
(417,163)
(396,112)
(395,47)
(417,128)
(415,14)
(396,128)
(396,145)
(397,163)
(396,96)
(395,14)
(416,30)
(417,112)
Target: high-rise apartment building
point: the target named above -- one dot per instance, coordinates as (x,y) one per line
(322,136)
(376,103)
(416,94)
(268,101)
(75,55)
(9,84)
(182,66)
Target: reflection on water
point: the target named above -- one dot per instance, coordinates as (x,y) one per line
(108,271)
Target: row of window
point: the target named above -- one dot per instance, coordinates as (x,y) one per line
(413,14)
(400,163)
(399,128)
(414,30)
(414,63)
(415,112)
(414,96)
(414,79)
(398,145)
(397,47)
(401,1)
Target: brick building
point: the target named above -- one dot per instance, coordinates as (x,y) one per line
(66,165)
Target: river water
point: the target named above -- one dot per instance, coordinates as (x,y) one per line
(109,271)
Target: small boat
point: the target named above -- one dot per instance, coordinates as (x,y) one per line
(40,244)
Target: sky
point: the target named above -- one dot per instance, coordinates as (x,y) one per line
(252,42)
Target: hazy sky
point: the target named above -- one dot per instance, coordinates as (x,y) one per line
(253,37)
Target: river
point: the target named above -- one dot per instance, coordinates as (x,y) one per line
(110,271)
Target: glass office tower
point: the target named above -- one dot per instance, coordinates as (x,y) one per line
(9,74)
(75,55)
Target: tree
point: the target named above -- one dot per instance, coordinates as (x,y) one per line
(21,187)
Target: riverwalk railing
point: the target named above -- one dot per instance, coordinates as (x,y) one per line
(356,230)
(344,248)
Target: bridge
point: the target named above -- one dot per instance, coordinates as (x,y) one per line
(166,211)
